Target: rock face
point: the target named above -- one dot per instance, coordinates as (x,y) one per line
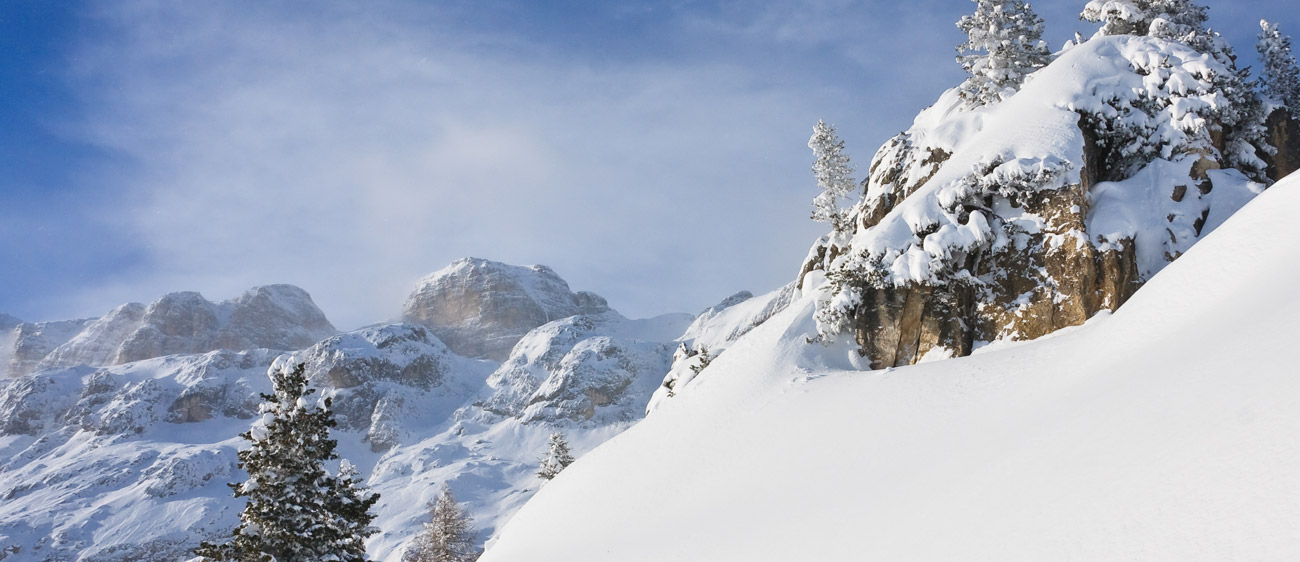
(1011,221)
(481,308)
(281,317)
(1284,135)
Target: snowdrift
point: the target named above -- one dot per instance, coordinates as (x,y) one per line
(1166,431)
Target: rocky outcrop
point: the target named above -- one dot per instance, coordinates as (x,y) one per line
(1013,221)
(280,317)
(481,308)
(1283,135)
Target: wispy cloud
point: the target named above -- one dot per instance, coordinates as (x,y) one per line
(351,153)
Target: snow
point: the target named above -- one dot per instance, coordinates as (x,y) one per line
(1166,431)
(131,462)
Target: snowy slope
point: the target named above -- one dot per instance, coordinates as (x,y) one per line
(1167,431)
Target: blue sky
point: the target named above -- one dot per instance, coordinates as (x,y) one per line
(652,152)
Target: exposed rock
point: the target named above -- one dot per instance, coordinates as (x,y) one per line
(481,308)
(963,236)
(280,317)
(1284,135)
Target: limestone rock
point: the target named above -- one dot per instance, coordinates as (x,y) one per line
(280,317)
(1284,135)
(481,308)
(1012,221)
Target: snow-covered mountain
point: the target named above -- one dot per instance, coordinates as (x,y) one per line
(1165,431)
(107,458)
(271,317)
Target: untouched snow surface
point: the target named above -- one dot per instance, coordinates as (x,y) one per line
(1167,431)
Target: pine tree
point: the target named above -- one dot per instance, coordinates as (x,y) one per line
(1004,44)
(448,536)
(296,511)
(1280,77)
(350,503)
(556,459)
(834,176)
(704,359)
(1119,17)
(1177,20)
(1183,21)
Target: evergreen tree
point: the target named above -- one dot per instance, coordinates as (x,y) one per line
(296,511)
(1004,44)
(1120,17)
(448,536)
(1177,20)
(556,459)
(1280,77)
(350,503)
(834,176)
(704,359)
(1183,21)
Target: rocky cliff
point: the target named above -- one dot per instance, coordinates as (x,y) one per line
(1013,220)
(481,308)
(281,317)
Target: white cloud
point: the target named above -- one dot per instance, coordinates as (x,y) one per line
(350,154)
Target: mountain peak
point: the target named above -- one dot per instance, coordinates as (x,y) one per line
(481,308)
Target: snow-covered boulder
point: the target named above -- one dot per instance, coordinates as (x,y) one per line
(1013,220)
(481,308)
(280,317)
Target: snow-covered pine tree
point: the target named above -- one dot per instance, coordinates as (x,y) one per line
(350,502)
(296,511)
(834,176)
(1181,20)
(448,536)
(1004,44)
(704,359)
(1178,20)
(557,458)
(1119,17)
(1239,121)
(1280,77)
